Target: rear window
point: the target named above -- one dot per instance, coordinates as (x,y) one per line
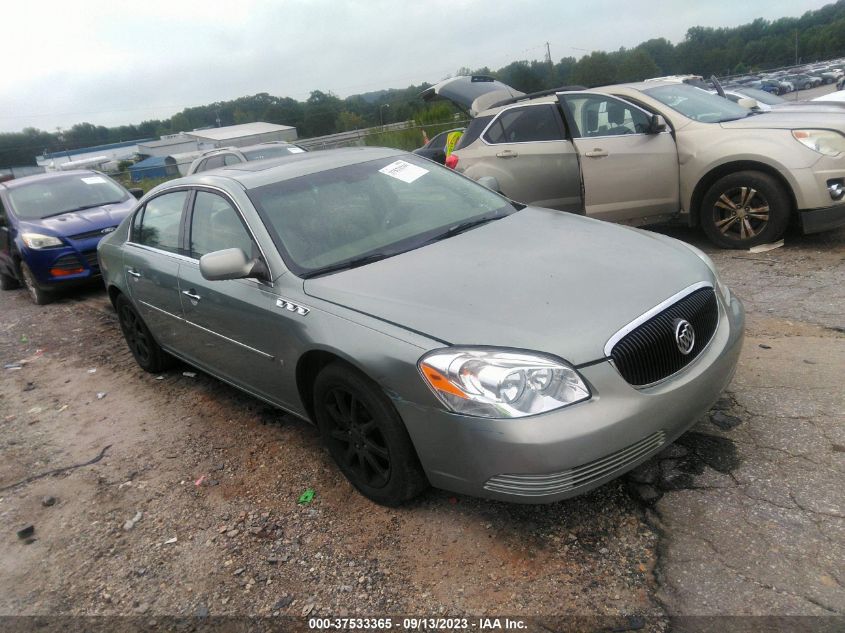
(473,131)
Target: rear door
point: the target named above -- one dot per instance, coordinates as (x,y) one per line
(151,264)
(525,148)
(235,328)
(630,174)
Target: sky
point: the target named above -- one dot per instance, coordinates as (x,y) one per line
(116,62)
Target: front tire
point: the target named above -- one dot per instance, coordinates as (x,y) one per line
(36,293)
(143,346)
(745,209)
(366,437)
(7,282)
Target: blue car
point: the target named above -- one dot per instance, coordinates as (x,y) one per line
(50,225)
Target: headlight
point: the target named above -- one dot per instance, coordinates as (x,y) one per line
(720,285)
(825,142)
(501,384)
(36,240)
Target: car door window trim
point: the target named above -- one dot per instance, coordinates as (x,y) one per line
(512,107)
(574,127)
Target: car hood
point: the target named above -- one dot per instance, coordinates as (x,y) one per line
(471,94)
(538,280)
(791,118)
(67,224)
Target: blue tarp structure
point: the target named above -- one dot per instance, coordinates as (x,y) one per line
(154,167)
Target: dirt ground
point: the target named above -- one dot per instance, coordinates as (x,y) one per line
(189,503)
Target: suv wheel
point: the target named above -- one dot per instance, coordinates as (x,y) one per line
(744,209)
(366,437)
(38,295)
(143,346)
(7,282)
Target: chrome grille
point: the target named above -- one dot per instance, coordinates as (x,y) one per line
(649,353)
(578,477)
(94,233)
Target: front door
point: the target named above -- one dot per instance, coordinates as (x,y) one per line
(151,263)
(234,328)
(630,174)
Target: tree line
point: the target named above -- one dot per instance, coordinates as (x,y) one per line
(759,45)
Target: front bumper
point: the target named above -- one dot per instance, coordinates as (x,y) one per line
(42,262)
(818,220)
(564,453)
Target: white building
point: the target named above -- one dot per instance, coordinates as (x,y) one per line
(168,145)
(241,135)
(105,155)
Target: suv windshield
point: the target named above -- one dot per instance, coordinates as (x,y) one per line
(356,214)
(697,104)
(63,194)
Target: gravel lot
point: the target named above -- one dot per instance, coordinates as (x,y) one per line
(189,506)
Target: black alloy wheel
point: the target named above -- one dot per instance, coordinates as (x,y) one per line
(365,436)
(140,340)
(356,438)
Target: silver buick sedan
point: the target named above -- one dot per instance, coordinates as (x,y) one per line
(435,332)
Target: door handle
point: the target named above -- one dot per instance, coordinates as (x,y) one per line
(507,154)
(597,152)
(191,294)
(132,272)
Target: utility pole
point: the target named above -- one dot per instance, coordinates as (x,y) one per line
(548,54)
(796,47)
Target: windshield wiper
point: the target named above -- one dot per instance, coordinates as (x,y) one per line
(348,264)
(463,226)
(82,208)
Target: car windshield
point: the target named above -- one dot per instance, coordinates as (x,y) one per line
(762,96)
(63,194)
(271,151)
(352,215)
(697,104)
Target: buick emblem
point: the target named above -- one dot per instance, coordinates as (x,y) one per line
(684,336)
(107,230)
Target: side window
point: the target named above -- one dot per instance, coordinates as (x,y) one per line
(213,163)
(231,159)
(215,225)
(525,125)
(158,224)
(600,115)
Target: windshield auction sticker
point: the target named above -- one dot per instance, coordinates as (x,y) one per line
(406,172)
(94,180)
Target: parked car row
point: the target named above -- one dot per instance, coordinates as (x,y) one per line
(786,80)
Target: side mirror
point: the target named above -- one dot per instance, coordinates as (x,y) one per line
(658,124)
(138,193)
(231,263)
(748,103)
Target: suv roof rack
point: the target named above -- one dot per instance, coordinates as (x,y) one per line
(534,95)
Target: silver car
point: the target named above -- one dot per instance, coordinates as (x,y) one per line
(435,332)
(224,156)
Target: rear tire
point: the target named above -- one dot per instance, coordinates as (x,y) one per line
(366,437)
(38,295)
(745,209)
(143,346)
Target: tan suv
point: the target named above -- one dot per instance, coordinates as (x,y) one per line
(654,151)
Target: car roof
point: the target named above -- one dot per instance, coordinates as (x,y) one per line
(50,175)
(258,173)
